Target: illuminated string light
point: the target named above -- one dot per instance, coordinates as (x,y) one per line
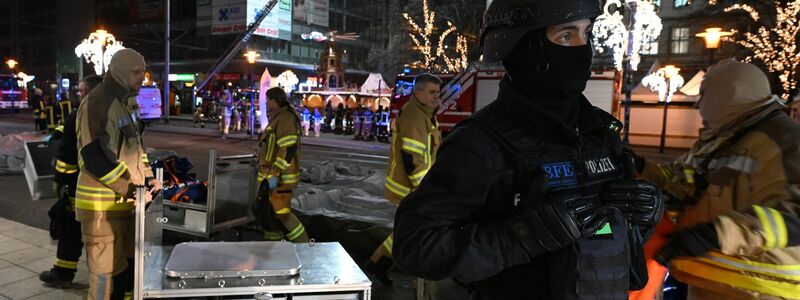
(423,43)
(777,46)
(749,9)
(666,81)
(98,50)
(610,32)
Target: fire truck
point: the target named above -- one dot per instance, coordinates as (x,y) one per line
(467,92)
(12,95)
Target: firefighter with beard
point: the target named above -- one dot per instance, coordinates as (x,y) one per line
(112,164)
(532,197)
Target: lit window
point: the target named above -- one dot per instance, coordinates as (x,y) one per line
(680,40)
(682,3)
(650,48)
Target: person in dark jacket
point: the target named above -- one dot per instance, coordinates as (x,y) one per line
(68,230)
(533,197)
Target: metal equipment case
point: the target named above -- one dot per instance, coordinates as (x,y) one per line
(231,189)
(39,170)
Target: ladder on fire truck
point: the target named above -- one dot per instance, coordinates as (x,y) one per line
(237,45)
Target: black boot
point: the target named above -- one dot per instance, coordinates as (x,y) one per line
(58,277)
(380,270)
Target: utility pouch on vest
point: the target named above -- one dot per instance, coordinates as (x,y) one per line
(596,267)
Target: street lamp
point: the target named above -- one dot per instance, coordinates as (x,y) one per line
(713,35)
(627,41)
(666,81)
(12,64)
(98,50)
(251,59)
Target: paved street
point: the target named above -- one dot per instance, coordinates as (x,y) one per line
(25,247)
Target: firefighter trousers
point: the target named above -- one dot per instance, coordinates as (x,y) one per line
(109,251)
(281,200)
(70,246)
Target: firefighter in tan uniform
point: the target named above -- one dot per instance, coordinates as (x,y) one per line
(739,188)
(279,164)
(416,139)
(112,164)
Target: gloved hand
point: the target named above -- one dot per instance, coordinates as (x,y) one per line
(273,182)
(640,201)
(691,242)
(558,221)
(49,139)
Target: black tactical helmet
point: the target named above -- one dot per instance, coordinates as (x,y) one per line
(505,22)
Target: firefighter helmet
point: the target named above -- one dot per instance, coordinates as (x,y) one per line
(505,22)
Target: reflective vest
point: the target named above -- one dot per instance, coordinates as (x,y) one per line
(417,134)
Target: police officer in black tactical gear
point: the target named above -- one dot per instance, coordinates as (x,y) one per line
(534,196)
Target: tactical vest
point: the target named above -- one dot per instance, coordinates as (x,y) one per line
(597,267)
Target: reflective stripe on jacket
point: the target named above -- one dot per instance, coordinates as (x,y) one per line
(751,192)
(111,156)
(416,134)
(279,149)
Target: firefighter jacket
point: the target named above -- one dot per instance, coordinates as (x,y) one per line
(414,145)
(67,156)
(64,109)
(111,157)
(455,224)
(749,187)
(51,114)
(39,108)
(279,148)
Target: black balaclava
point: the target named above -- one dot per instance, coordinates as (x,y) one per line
(550,75)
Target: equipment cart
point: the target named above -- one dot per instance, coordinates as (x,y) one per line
(239,270)
(231,189)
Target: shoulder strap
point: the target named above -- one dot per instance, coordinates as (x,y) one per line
(514,142)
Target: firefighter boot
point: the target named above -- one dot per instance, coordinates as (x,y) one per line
(58,277)
(380,270)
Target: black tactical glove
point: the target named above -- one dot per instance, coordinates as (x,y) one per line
(690,242)
(640,201)
(558,221)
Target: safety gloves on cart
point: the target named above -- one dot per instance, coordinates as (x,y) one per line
(558,221)
(640,201)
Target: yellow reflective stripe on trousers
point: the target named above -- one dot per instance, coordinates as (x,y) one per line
(281,163)
(102,205)
(413,146)
(388,243)
(115,174)
(296,232)
(290,178)
(66,264)
(261,176)
(717,271)
(99,199)
(774,227)
(145,159)
(287,141)
(60,128)
(396,188)
(284,211)
(417,178)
